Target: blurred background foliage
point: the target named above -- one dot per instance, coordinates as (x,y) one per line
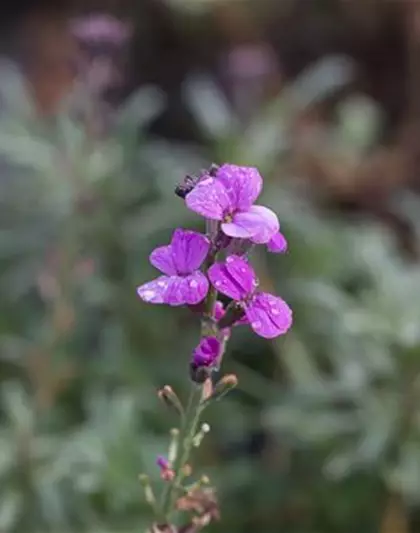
(323,435)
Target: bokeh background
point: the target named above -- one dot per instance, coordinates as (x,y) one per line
(104,107)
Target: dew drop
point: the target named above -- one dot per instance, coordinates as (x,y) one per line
(193,283)
(275,311)
(218,283)
(229,259)
(256,324)
(161,283)
(147,295)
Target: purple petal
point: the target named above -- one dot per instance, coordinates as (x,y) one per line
(162,462)
(242,272)
(207,352)
(219,311)
(277,244)
(209,198)
(258,224)
(154,291)
(243,185)
(161,258)
(230,280)
(189,249)
(189,290)
(269,315)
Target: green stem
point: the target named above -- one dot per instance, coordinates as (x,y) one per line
(187,433)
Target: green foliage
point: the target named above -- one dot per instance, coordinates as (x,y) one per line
(82,358)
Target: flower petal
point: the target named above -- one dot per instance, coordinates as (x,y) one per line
(235,278)
(243,185)
(269,315)
(189,290)
(242,272)
(207,352)
(258,224)
(161,258)
(277,244)
(189,249)
(219,311)
(224,283)
(209,198)
(154,291)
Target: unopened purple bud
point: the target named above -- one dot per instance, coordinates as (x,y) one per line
(162,462)
(205,358)
(206,352)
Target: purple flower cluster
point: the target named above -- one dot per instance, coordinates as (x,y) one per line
(190,264)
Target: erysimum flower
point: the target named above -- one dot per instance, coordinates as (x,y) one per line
(206,353)
(229,197)
(268,315)
(183,283)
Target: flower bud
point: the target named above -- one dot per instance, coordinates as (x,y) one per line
(225,385)
(148,491)
(173,446)
(198,438)
(169,398)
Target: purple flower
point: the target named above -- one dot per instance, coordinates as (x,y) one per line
(101,28)
(277,244)
(268,315)
(229,197)
(206,353)
(183,283)
(162,462)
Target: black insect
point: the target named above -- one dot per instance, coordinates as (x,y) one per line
(190,182)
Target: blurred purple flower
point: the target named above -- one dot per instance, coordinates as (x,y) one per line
(101,28)
(166,471)
(229,197)
(268,315)
(206,353)
(162,462)
(277,244)
(183,283)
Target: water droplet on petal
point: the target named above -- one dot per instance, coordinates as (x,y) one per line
(162,283)
(229,259)
(256,324)
(218,283)
(193,283)
(147,295)
(275,311)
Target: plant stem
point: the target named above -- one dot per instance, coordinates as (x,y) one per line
(187,433)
